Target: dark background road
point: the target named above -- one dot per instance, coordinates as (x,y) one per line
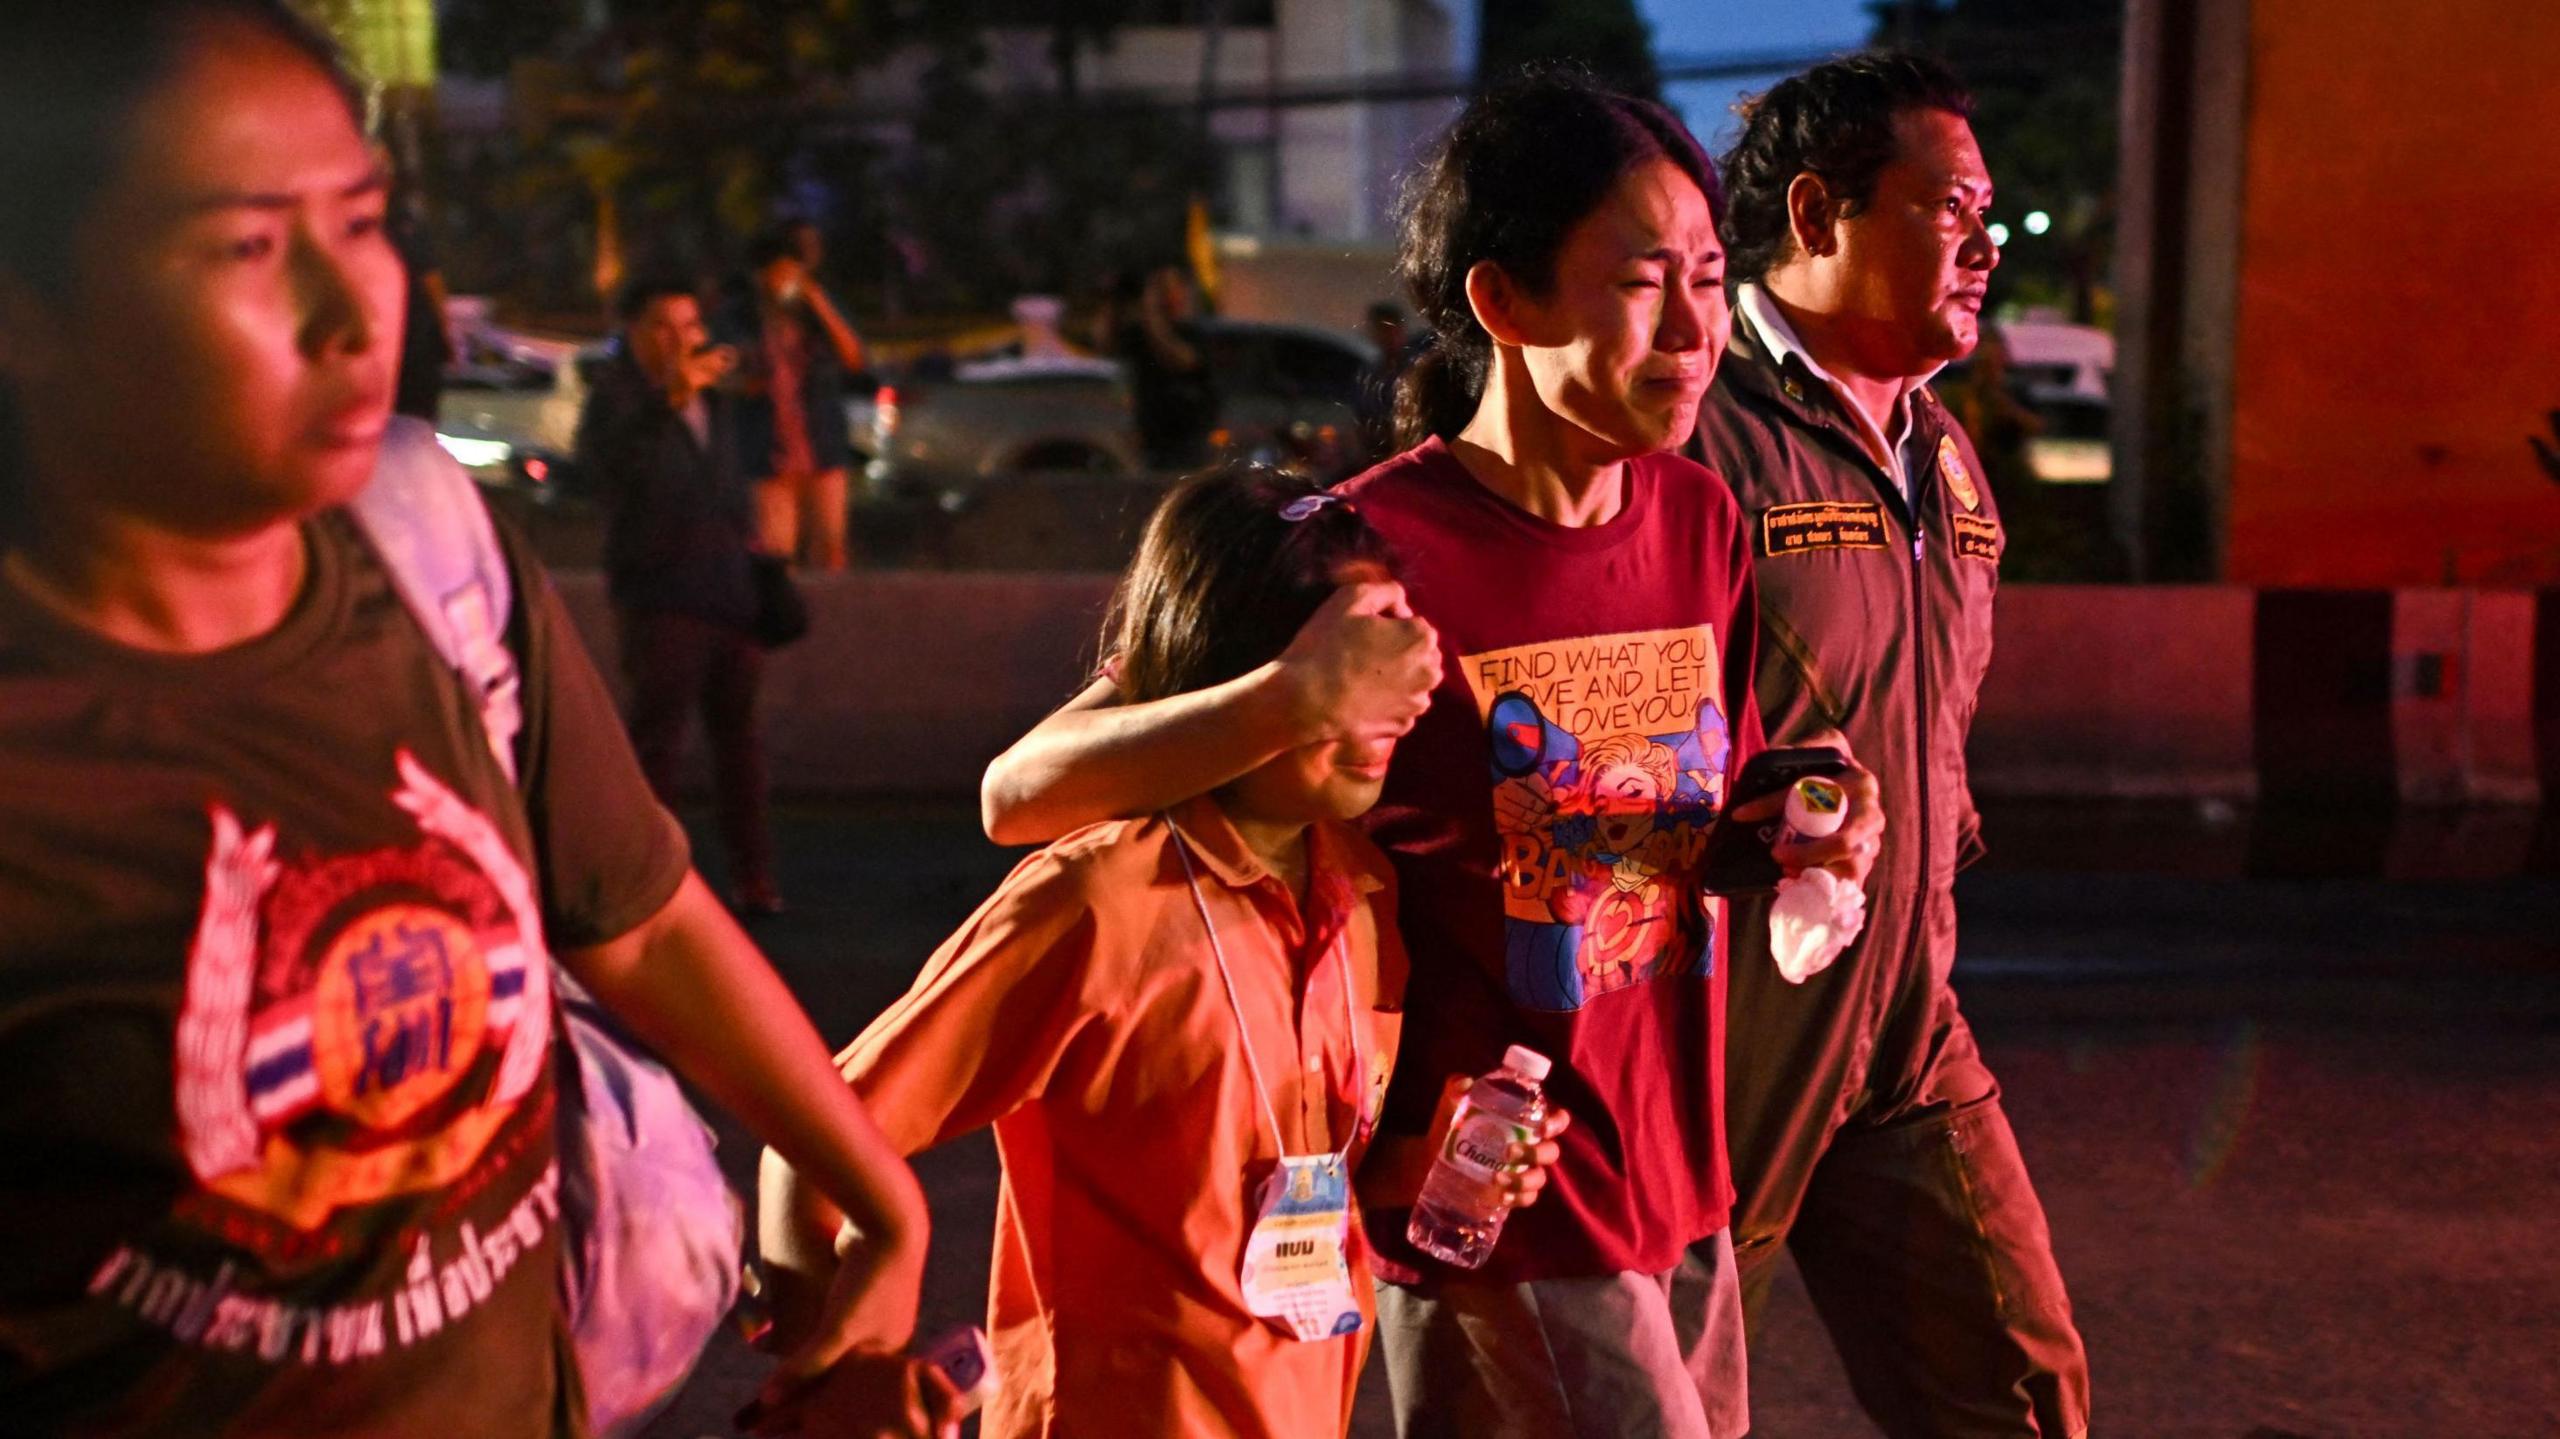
(2298,1137)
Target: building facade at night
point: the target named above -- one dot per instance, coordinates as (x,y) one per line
(2340,312)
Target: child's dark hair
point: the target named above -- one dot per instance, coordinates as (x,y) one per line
(1524,164)
(1225,577)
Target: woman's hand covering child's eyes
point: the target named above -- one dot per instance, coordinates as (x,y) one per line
(1363,665)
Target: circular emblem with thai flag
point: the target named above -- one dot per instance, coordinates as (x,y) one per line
(1959,479)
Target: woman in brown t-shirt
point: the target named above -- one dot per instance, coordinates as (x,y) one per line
(275,927)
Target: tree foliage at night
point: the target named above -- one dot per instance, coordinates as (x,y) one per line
(971,215)
(680,127)
(1606,36)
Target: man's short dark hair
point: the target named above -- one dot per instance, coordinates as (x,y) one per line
(1835,120)
(640,294)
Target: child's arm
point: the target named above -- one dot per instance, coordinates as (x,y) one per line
(979,1035)
(1363,666)
(691,984)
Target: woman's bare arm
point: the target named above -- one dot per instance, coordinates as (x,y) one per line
(1363,666)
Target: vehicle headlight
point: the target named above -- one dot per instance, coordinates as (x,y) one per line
(474,454)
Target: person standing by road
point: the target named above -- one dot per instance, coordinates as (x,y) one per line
(793,435)
(660,438)
(1867,1133)
(1160,346)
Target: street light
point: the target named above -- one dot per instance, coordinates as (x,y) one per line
(2038,222)
(2000,234)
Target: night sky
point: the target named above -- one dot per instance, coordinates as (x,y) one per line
(1704,29)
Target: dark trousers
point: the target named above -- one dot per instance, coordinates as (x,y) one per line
(1891,1175)
(678,665)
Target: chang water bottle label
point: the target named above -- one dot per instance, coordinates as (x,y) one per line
(1478,1140)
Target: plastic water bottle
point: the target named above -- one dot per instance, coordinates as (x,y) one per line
(1460,1213)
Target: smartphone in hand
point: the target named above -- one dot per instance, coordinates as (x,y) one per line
(962,1357)
(1738,859)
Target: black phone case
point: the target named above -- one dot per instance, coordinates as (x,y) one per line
(1738,859)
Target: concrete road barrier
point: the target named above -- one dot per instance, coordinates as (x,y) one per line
(910,681)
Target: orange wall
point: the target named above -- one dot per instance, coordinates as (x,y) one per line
(2399,317)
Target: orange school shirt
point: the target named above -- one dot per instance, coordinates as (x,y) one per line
(1079,1012)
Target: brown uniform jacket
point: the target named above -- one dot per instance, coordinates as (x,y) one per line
(1876,621)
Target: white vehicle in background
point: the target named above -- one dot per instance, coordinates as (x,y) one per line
(1009,460)
(509,409)
(948,440)
(2063,372)
(2052,355)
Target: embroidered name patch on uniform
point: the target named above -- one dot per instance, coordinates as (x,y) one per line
(1977,538)
(1821,525)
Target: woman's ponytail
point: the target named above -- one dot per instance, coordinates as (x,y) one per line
(1439,392)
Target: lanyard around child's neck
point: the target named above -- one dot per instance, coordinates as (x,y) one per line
(1253,1067)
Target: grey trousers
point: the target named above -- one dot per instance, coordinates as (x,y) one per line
(1618,1356)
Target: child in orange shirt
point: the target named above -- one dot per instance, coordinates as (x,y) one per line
(1180,1028)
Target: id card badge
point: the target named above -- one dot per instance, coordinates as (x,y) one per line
(1297,1267)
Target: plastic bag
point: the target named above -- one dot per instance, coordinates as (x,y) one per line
(1817,914)
(655,1235)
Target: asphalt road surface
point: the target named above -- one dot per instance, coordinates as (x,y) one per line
(2298,1137)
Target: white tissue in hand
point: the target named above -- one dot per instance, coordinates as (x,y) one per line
(1816,915)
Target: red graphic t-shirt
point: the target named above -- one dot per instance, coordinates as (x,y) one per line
(1547,818)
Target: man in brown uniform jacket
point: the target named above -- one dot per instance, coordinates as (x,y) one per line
(1866,1132)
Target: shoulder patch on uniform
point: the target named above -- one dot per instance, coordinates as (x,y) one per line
(1977,538)
(1811,525)
(1959,479)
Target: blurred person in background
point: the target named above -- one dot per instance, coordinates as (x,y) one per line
(1994,416)
(809,242)
(794,440)
(278,923)
(1867,1134)
(427,343)
(1156,337)
(2057,532)
(659,439)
